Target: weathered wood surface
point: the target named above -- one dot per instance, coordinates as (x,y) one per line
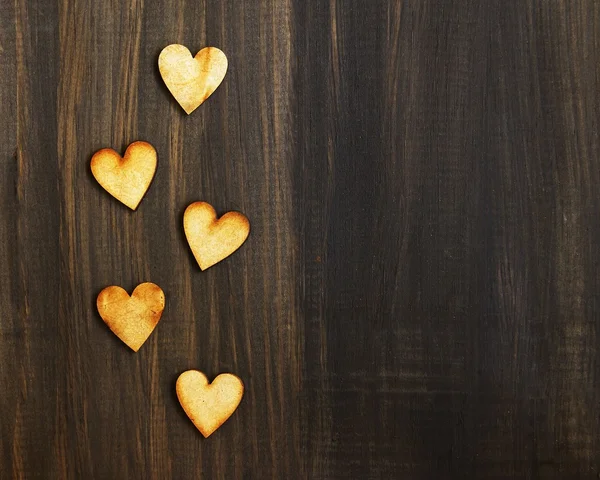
(419,296)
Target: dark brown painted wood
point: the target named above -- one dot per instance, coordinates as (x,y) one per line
(419,297)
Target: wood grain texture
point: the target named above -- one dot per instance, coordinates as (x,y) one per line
(419,297)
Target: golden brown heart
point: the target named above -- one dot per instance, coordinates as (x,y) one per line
(191,80)
(209,405)
(212,239)
(126,178)
(132,318)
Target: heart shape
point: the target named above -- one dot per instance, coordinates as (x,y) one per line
(212,239)
(132,318)
(209,405)
(191,80)
(126,178)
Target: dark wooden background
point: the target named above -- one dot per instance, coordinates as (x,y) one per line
(419,297)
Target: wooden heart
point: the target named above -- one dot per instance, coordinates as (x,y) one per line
(191,80)
(209,405)
(212,239)
(132,318)
(126,178)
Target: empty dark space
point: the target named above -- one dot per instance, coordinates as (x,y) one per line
(419,297)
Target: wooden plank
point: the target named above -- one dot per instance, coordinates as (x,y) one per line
(418,296)
(30,240)
(11,332)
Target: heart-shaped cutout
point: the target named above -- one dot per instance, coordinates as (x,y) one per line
(212,239)
(209,405)
(126,178)
(132,318)
(191,80)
